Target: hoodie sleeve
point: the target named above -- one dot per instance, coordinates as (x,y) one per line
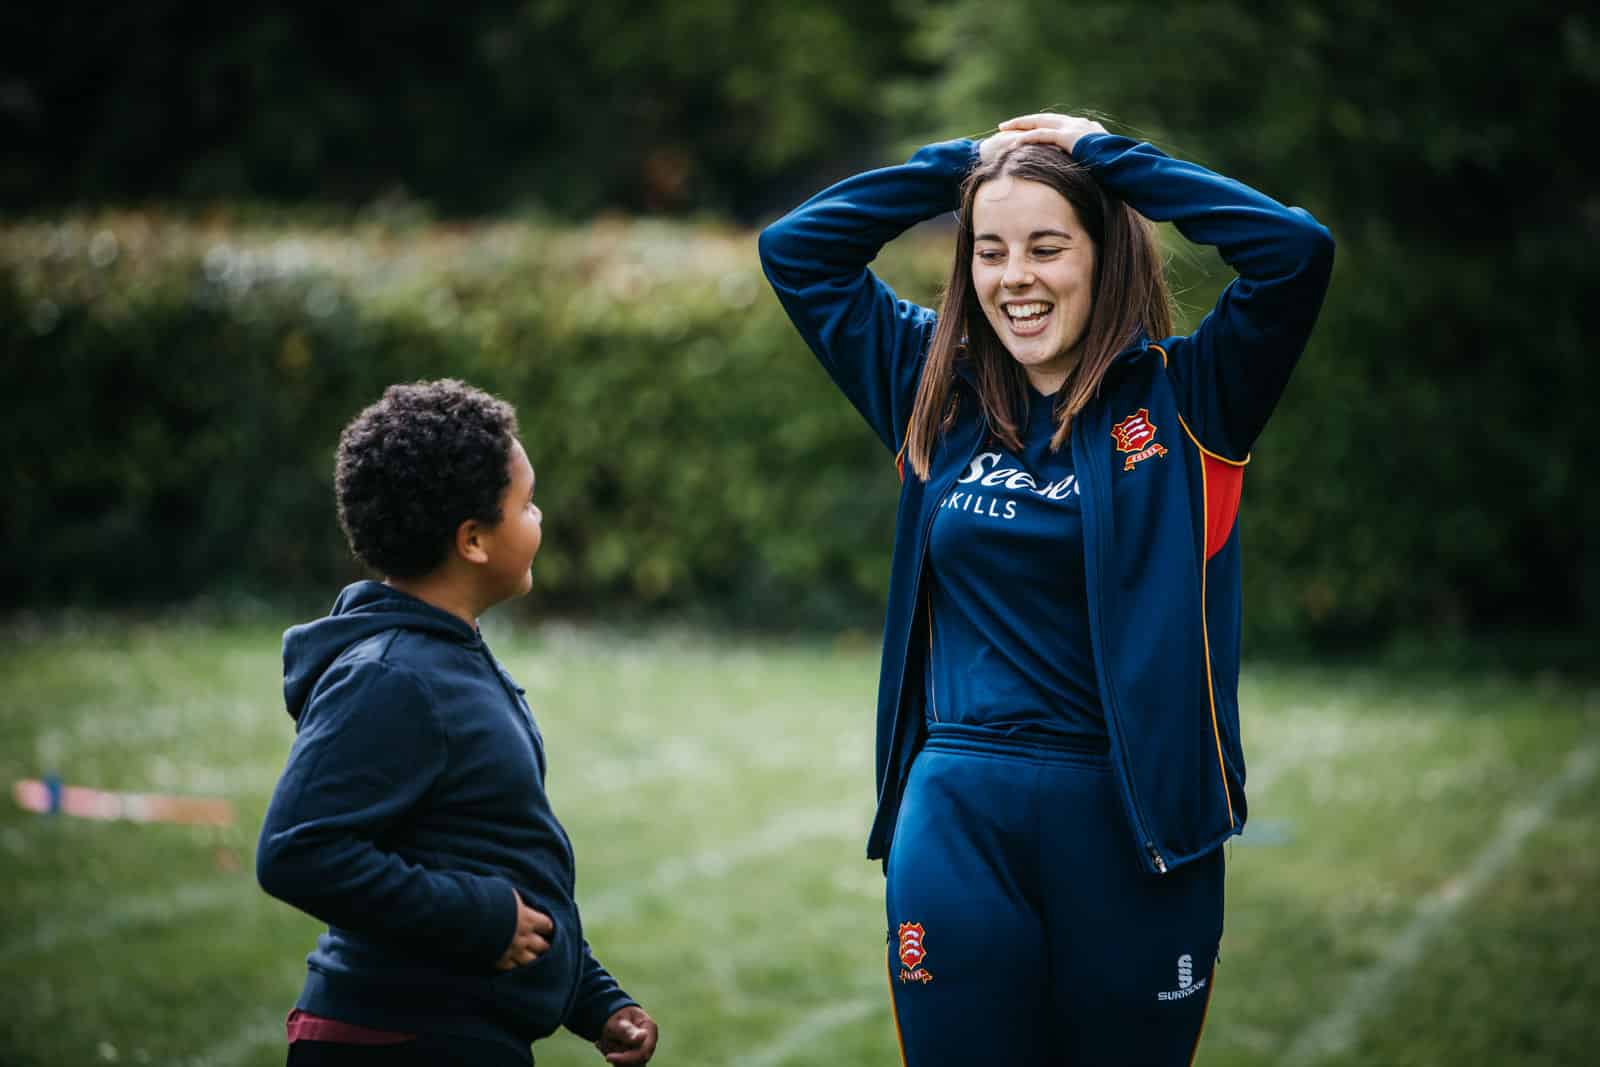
(598,998)
(871,343)
(368,749)
(1231,371)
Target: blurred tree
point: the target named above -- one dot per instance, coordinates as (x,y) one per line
(1430,465)
(470,107)
(1437,440)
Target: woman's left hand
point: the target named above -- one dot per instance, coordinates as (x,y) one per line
(997,144)
(1046,127)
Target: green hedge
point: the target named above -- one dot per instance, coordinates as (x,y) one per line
(176,390)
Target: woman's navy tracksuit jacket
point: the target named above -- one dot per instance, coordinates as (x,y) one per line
(1159,456)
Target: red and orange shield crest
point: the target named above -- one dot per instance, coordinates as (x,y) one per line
(911,951)
(1134,432)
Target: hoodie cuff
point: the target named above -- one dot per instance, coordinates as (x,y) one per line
(1092,148)
(499,930)
(588,1021)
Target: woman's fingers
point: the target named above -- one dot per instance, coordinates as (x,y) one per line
(1036,121)
(996,144)
(1063,133)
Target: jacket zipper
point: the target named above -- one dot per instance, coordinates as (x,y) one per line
(1141,827)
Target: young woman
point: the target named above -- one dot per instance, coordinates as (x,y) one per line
(1058,754)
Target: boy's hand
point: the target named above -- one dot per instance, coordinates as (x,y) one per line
(532,938)
(629,1037)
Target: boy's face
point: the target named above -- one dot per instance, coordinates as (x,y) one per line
(513,543)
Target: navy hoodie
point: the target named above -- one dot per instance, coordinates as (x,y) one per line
(411,811)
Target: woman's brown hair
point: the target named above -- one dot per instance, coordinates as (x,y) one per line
(1129,295)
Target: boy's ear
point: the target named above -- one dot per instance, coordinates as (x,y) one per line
(469,542)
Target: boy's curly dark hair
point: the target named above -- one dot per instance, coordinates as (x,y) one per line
(417,464)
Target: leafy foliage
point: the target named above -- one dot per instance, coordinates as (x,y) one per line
(1429,465)
(187,386)
(1427,470)
(474,106)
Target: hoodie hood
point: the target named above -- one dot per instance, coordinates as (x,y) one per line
(363,610)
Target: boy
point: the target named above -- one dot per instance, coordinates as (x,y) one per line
(412,816)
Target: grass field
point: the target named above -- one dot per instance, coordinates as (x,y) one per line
(1419,884)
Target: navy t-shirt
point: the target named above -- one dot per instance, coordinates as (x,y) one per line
(1010,613)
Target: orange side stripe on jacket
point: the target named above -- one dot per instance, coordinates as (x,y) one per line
(1209,461)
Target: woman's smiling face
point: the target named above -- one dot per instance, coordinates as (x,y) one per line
(1033,272)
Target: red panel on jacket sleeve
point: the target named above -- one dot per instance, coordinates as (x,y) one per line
(1224,482)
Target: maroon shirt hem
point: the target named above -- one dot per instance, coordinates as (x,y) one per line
(303,1026)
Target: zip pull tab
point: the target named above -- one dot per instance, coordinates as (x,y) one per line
(1155,857)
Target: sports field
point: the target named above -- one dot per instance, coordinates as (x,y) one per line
(1419,883)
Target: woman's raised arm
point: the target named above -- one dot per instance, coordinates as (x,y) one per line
(871,343)
(1230,372)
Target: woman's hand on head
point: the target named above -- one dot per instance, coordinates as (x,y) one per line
(996,145)
(1046,127)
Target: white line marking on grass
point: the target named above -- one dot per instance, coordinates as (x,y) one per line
(1336,1031)
(1317,740)
(165,906)
(264,1030)
(774,836)
(805,1034)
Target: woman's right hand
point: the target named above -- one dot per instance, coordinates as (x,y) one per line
(531,940)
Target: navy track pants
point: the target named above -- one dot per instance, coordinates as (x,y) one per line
(1022,928)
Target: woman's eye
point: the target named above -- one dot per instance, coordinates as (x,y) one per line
(1046,252)
(990,256)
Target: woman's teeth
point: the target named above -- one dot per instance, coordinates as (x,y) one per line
(1027,314)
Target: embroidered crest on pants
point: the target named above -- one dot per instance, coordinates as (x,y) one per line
(913,951)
